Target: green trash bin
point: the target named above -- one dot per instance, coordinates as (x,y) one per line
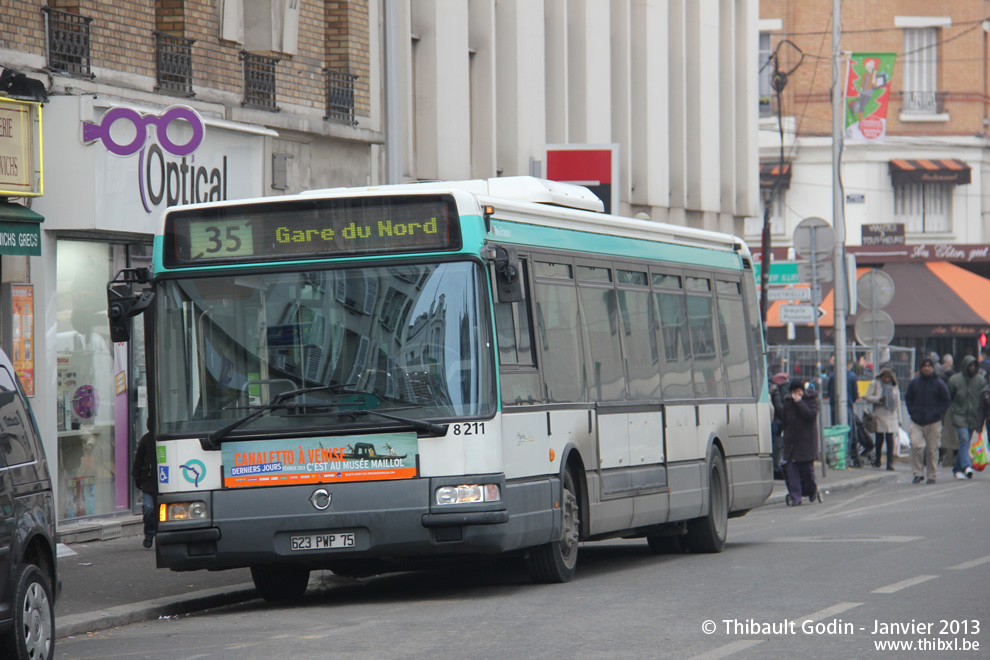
(836,442)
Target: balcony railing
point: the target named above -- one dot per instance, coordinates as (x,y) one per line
(259,81)
(340,96)
(930,103)
(68,42)
(173,58)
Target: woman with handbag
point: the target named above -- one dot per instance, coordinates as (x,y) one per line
(885,396)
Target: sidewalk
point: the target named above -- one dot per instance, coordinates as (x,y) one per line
(109,583)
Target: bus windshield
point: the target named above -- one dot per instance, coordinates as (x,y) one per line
(409,338)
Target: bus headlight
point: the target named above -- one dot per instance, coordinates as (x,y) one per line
(175,511)
(468,494)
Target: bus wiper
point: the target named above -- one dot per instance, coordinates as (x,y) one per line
(432,428)
(213,439)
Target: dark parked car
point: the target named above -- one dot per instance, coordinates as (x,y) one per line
(28,581)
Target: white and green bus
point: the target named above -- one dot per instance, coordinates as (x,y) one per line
(367,379)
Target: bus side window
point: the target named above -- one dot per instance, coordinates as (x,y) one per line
(734,343)
(518,379)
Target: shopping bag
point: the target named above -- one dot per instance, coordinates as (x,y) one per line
(978,451)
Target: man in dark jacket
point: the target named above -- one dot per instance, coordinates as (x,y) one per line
(927,399)
(801,441)
(145,474)
(964,391)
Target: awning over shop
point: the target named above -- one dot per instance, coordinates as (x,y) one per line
(20,230)
(935,297)
(771,172)
(942,170)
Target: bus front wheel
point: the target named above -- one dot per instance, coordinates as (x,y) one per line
(556,561)
(276,583)
(707,534)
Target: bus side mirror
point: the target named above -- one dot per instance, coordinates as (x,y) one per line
(122,304)
(508,280)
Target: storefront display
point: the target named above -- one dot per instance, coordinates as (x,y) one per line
(85,385)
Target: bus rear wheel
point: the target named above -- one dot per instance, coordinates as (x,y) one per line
(277,583)
(708,533)
(556,561)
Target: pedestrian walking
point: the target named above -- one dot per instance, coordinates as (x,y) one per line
(145,474)
(945,370)
(927,399)
(885,396)
(801,441)
(964,390)
(777,383)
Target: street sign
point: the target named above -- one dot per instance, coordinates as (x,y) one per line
(825,271)
(775,294)
(799,313)
(869,333)
(824,239)
(875,280)
(781,272)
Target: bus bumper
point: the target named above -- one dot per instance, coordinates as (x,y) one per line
(388,520)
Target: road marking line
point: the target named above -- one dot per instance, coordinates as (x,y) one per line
(728,649)
(827,612)
(844,539)
(928,494)
(904,584)
(970,564)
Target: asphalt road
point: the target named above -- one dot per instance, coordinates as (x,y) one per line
(818,580)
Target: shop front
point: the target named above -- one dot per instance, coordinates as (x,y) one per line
(115,168)
(941,300)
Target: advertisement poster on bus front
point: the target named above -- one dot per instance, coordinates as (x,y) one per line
(283,462)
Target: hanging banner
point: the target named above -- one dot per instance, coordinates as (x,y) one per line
(867,96)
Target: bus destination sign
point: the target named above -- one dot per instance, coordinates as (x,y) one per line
(310,229)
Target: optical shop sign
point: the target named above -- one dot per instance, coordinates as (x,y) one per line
(154,160)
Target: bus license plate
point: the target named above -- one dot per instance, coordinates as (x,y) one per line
(322,541)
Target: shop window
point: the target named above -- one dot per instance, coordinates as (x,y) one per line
(86,396)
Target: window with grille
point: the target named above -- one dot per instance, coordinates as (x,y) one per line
(924,208)
(766,74)
(68,42)
(340,96)
(778,213)
(259,81)
(920,62)
(173,60)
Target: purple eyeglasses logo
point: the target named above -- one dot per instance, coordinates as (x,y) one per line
(93,132)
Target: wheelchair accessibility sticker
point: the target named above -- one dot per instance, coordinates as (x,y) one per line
(163,474)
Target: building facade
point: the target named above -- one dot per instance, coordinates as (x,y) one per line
(669,85)
(916,203)
(284,96)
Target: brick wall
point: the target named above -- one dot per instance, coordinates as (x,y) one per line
(121,35)
(868,25)
(347,47)
(300,78)
(170,17)
(23,26)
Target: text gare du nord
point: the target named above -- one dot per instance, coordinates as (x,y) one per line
(355,232)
